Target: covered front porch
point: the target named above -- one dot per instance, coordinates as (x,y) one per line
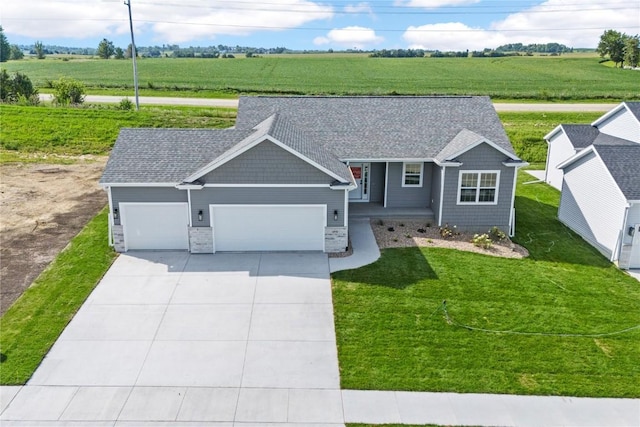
(377,210)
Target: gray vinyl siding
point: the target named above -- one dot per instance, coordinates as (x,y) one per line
(622,125)
(479,217)
(146,195)
(591,204)
(376,182)
(266,163)
(435,191)
(201,199)
(408,197)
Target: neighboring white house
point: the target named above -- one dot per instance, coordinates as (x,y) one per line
(597,169)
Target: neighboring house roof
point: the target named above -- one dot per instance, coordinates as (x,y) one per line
(369,128)
(623,163)
(581,136)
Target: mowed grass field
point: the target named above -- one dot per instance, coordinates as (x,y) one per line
(534,78)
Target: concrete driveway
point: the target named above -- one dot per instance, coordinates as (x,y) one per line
(169,336)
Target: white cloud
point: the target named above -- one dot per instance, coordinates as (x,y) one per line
(451,36)
(433,4)
(168,22)
(573,24)
(358,37)
(358,8)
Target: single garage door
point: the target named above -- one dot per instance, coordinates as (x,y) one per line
(268,227)
(154,226)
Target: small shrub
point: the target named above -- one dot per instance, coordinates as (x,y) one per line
(496,234)
(482,241)
(401,224)
(391,229)
(68,91)
(428,225)
(395,240)
(380,222)
(421,230)
(408,236)
(125,104)
(448,232)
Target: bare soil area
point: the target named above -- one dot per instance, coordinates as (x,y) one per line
(400,234)
(42,206)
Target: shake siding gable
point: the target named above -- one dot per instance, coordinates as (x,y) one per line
(266,163)
(408,197)
(201,199)
(478,216)
(591,203)
(622,125)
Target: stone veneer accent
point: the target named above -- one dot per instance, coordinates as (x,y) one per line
(118,238)
(201,240)
(336,239)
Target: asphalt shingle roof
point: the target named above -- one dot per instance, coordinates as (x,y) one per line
(623,163)
(380,127)
(326,130)
(165,155)
(581,136)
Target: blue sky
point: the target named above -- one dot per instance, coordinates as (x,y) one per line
(311,24)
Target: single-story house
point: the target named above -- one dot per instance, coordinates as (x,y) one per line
(286,176)
(597,169)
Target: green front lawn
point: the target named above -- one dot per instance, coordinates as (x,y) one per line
(393,333)
(33,323)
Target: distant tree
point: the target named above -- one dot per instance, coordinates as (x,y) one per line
(68,91)
(17,89)
(612,45)
(38,48)
(16,52)
(5,48)
(105,49)
(632,51)
(128,53)
(119,53)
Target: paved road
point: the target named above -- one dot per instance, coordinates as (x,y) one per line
(233,103)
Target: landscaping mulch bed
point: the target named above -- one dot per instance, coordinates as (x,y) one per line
(406,233)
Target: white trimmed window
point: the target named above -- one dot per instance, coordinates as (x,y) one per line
(412,174)
(478,187)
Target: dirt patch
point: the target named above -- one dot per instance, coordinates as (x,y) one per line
(400,234)
(42,206)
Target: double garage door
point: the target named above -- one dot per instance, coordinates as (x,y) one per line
(158,226)
(268,227)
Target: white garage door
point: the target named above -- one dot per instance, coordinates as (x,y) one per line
(155,225)
(268,227)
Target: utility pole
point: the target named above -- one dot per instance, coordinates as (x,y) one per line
(133,55)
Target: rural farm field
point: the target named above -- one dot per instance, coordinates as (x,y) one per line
(48,151)
(525,78)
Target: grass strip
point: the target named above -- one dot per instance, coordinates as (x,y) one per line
(392,333)
(33,323)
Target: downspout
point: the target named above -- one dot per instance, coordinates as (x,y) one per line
(346,208)
(512,210)
(386,183)
(442,173)
(110,221)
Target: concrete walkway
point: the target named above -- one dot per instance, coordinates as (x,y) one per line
(363,242)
